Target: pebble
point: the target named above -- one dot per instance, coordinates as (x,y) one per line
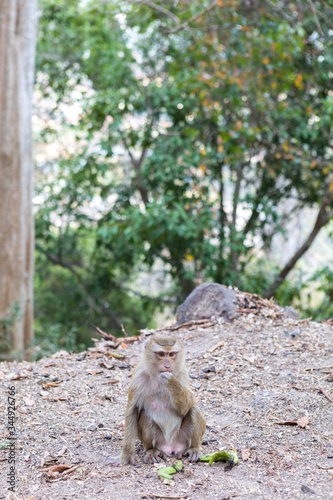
(91,427)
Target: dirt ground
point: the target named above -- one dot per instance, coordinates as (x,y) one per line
(264,383)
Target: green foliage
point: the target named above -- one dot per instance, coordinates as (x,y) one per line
(194,131)
(56,338)
(319,299)
(6,326)
(79,295)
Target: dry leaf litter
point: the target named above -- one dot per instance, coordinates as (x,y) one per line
(264,383)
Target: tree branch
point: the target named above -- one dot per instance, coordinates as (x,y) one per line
(172,16)
(137,164)
(58,261)
(323,217)
(327,19)
(281,12)
(236,193)
(160,9)
(233,231)
(94,302)
(148,297)
(219,275)
(314,12)
(193,18)
(326,4)
(254,216)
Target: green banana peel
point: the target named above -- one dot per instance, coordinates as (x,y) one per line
(178,466)
(221,456)
(165,472)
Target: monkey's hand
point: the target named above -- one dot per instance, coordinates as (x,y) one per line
(194,454)
(181,396)
(165,377)
(153,456)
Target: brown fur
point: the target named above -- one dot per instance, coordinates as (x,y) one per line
(161,409)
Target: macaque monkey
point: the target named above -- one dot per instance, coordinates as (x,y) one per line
(161,409)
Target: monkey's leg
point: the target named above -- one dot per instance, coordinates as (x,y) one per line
(191,432)
(131,432)
(151,437)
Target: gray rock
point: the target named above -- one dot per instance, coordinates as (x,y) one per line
(209,369)
(293,333)
(290,312)
(306,489)
(206,301)
(91,427)
(263,399)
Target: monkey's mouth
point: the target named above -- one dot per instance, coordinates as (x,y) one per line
(166,370)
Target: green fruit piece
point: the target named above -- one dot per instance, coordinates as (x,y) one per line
(166,472)
(179,465)
(164,475)
(206,458)
(169,470)
(234,456)
(224,456)
(220,456)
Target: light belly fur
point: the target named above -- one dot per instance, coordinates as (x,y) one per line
(165,417)
(157,406)
(168,422)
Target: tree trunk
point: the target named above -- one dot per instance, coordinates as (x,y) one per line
(323,218)
(18,22)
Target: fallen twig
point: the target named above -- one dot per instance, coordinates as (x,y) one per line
(156,495)
(173,328)
(325,394)
(325,468)
(56,468)
(220,344)
(305,320)
(55,399)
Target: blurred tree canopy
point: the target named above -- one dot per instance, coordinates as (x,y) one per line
(189,134)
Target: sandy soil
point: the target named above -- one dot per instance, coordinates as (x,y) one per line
(254,378)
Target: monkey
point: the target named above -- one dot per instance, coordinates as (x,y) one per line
(161,410)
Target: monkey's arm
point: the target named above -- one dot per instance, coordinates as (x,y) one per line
(182,396)
(131,433)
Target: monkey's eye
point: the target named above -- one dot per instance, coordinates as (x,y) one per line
(172,354)
(160,354)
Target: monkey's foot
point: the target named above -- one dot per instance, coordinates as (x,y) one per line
(194,454)
(119,460)
(153,456)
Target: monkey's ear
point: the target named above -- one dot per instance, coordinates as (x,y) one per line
(146,342)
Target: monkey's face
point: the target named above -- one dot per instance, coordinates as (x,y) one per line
(164,354)
(166,360)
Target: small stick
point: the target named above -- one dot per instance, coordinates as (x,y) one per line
(325,468)
(305,320)
(325,394)
(188,323)
(220,344)
(156,495)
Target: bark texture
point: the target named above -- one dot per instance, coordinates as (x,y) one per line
(18,23)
